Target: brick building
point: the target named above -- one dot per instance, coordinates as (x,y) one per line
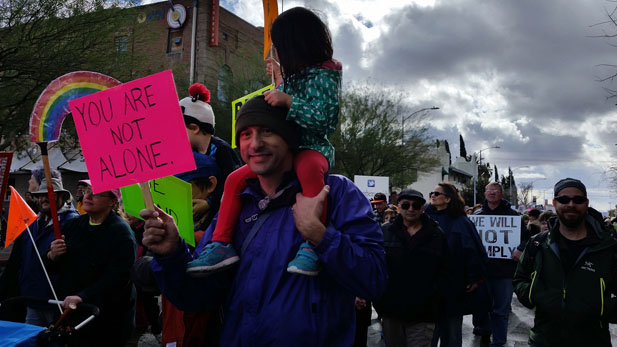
(150,44)
(158,42)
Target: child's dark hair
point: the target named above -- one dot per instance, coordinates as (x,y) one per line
(202,182)
(204,127)
(301,40)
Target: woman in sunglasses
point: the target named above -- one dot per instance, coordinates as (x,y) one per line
(466,259)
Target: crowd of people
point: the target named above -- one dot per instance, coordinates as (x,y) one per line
(287,254)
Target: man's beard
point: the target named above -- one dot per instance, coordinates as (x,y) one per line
(571,221)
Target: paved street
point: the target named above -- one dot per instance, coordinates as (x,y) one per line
(521,321)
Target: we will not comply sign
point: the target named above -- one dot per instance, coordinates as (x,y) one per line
(500,234)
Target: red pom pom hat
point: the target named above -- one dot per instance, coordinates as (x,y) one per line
(196,105)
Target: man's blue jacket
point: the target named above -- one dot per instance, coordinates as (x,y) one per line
(266,305)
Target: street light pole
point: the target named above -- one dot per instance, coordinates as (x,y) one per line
(476,177)
(403,119)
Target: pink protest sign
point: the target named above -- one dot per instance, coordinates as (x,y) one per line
(133,132)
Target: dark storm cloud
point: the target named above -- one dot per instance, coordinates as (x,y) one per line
(540,50)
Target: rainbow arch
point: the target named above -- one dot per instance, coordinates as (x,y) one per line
(52,106)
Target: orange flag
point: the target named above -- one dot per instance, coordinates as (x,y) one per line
(271,11)
(20,216)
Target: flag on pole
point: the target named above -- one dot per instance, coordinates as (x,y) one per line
(270,13)
(20,216)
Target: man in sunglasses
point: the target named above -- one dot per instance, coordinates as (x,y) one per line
(416,249)
(568,273)
(500,273)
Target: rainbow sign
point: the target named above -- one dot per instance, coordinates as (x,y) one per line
(52,105)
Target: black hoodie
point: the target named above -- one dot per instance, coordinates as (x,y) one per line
(417,273)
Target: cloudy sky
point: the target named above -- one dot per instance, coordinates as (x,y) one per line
(519,74)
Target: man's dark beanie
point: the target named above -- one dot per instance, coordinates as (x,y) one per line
(257,112)
(567,183)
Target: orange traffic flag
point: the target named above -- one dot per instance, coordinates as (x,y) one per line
(20,216)
(271,11)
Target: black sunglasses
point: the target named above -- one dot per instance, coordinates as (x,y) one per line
(417,205)
(566,199)
(435,194)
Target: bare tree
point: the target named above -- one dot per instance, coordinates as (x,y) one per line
(608,31)
(525,190)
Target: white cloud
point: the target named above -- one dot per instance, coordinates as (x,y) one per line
(518,74)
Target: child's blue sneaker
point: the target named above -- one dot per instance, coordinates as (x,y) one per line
(215,257)
(306,261)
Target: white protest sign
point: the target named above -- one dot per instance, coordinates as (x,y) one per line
(370,185)
(500,234)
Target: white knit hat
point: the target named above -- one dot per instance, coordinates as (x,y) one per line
(196,105)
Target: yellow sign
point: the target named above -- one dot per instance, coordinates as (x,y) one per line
(235,107)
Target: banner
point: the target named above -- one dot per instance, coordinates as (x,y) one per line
(214,23)
(235,107)
(5,170)
(500,234)
(133,132)
(171,195)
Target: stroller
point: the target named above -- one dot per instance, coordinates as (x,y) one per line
(61,333)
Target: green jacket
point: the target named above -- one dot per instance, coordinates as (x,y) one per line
(315,105)
(573,308)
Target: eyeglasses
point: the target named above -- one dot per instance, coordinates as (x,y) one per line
(431,194)
(88,190)
(493,191)
(566,199)
(416,205)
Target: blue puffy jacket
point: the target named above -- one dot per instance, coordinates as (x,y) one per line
(266,305)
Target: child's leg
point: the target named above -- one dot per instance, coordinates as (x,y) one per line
(311,166)
(231,204)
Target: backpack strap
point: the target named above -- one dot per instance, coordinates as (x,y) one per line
(534,244)
(249,237)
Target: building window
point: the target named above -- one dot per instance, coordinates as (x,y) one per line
(122,43)
(225,80)
(174,41)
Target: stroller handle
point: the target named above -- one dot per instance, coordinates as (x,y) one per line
(82,306)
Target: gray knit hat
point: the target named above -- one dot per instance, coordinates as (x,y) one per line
(257,112)
(569,182)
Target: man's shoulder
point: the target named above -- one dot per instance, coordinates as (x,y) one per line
(341,185)
(431,225)
(68,214)
(339,181)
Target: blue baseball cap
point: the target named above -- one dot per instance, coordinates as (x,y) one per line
(206,167)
